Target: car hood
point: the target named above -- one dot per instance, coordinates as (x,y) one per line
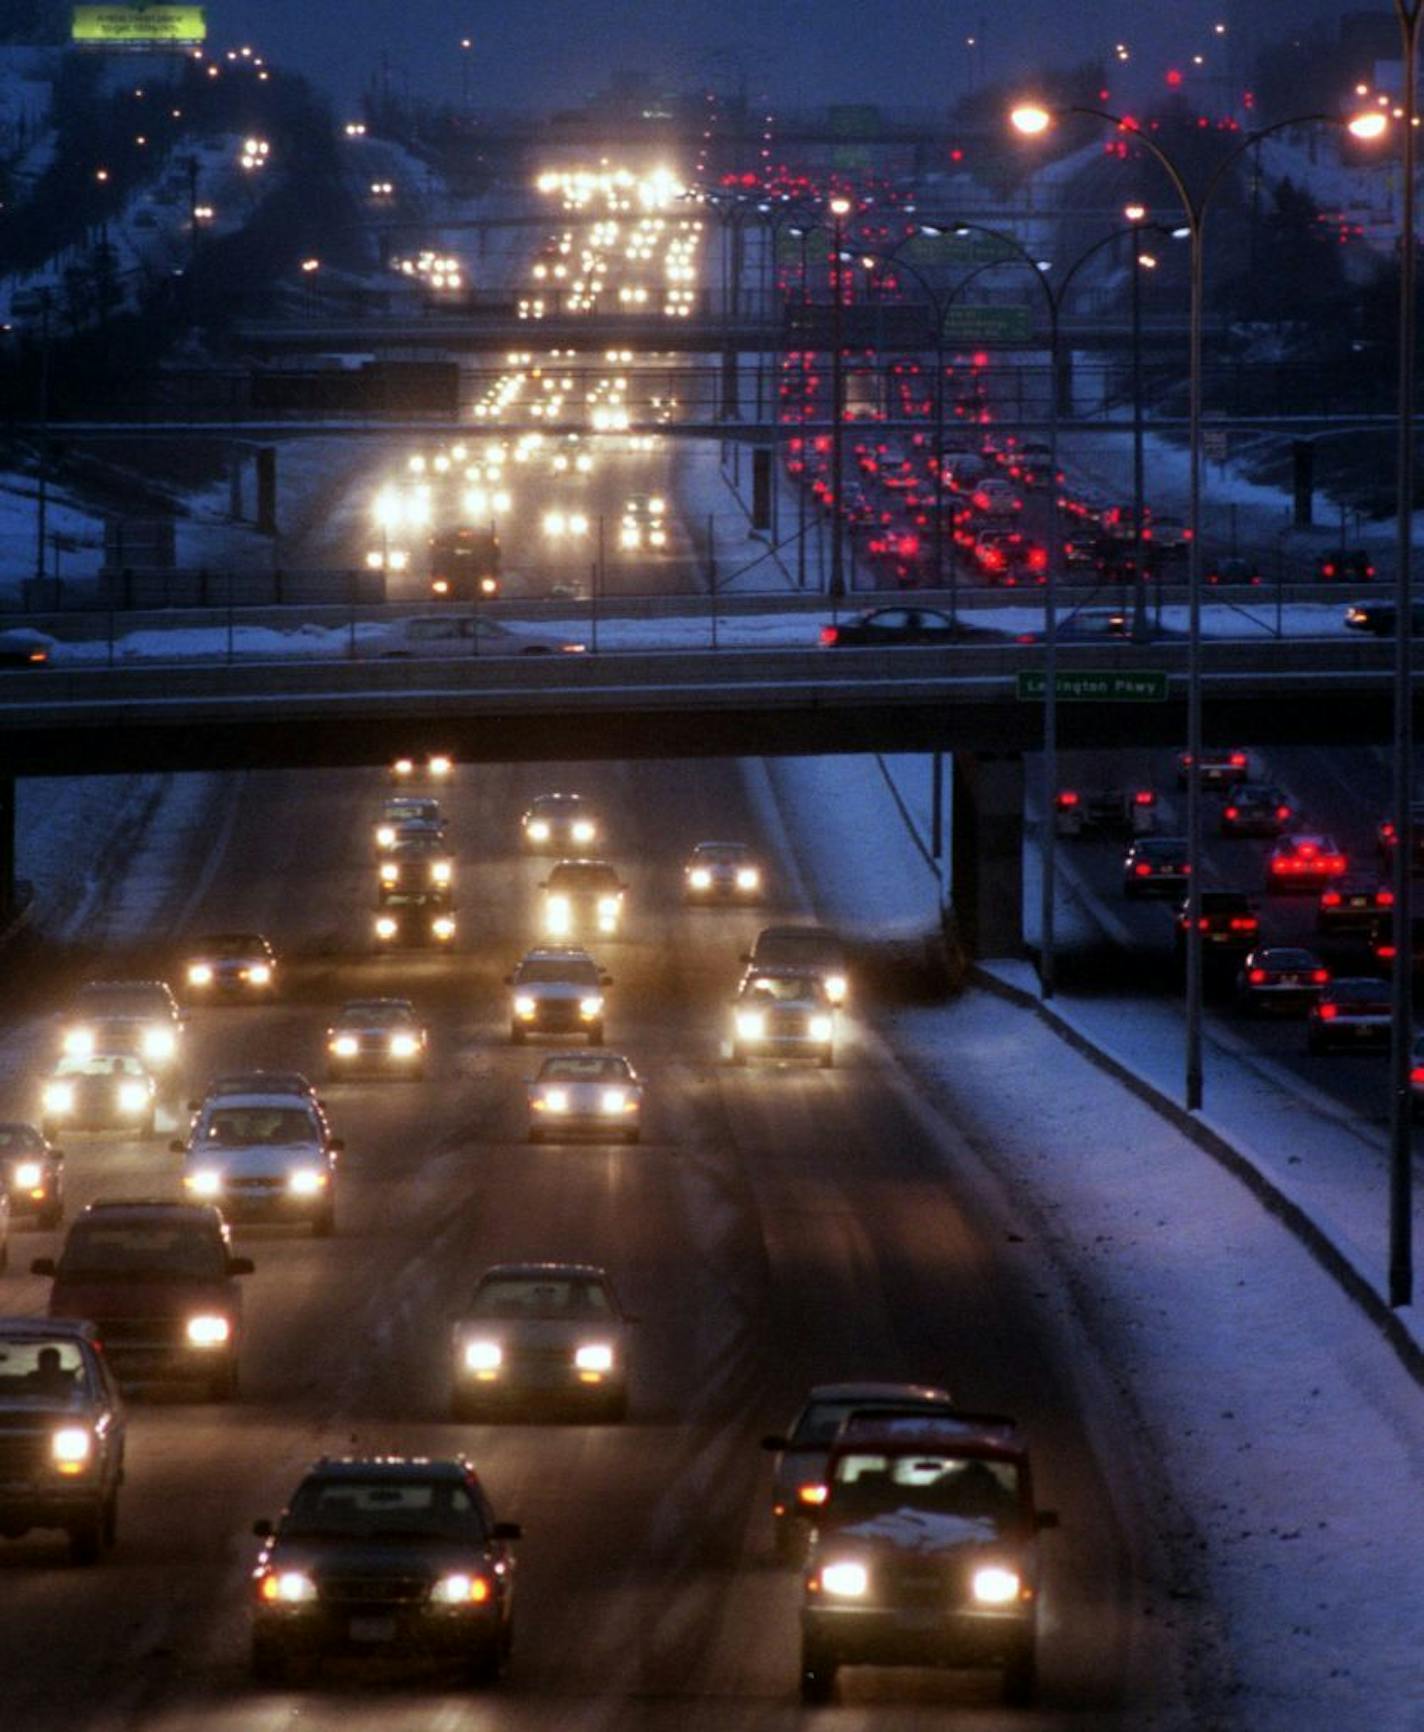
(433,1557)
(265,1162)
(99,1300)
(559,990)
(541,1331)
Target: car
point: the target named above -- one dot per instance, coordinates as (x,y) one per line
(925,1552)
(783,1012)
(1233,570)
(1353,1013)
(594,1094)
(107,1091)
(1382,946)
(1280,977)
(994,497)
(643,523)
(1155,866)
(416,863)
(387,1556)
(130,1016)
(62,1434)
(722,872)
(436,767)
(1354,904)
(882,627)
(408,814)
(1168,533)
(1386,833)
(247,1082)
(1220,767)
(231,965)
(1227,921)
(159,1282)
(813,947)
(31,1174)
(376,1036)
(1344,565)
(434,637)
(542,1334)
(583,896)
(1416,1079)
(263,1157)
(464,563)
(558,823)
(1305,862)
(799,1472)
(1256,809)
(412,919)
(23,647)
(1378,617)
(557,989)
(1105,811)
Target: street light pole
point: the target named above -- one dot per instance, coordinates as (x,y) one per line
(840,209)
(1135,214)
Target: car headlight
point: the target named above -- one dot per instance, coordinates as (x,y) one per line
(821,1028)
(835,985)
(59,1097)
(558,913)
(555,1100)
(290,1587)
(346,1046)
(582,831)
(200,974)
(751,1024)
(385,927)
(443,926)
(483,1356)
(748,878)
(208,1331)
(70,1448)
(133,1097)
(398,559)
(204,1184)
(460,1590)
(404,1046)
(700,878)
(28,1176)
(403,767)
(608,907)
(159,1043)
(440,871)
(524,1005)
(306,1181)
(390,872)
(846,1581)
(79,1042)
(260,974)
(595,1357)
(440,766)
(613,1101)
(995,1586)
(385,836)
(656,507)
(590,1006)
(656,537)
(538,831)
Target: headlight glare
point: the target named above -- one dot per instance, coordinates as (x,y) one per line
(346,1046)
(835,985)
(613,1101)
(208,1331)
(524,1005)
(291,1587)
(29,1176)
(582,830)
(443,926)
(159,1043)
(260,974)
(71,1445)
(748,878)
(590,1006)
(700,878)
(751,1024)
(204,1184)
(556,1100)
(200,974)
(59,1097)
(538,831)
(306,1181)
(133,1097)
(460,1590)
(385,836)
(995,1586)
(79,1042)
(597,1356)
(483,1355)
(404,1046)
(821,1028)
(847,1581)
(385,927)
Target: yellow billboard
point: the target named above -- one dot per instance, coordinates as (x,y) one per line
(139,26)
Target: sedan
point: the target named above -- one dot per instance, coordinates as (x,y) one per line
(542,1332)
(1256,809)
(32,1175)
(23,647)
(882,627)
(376,1036)
(435,768)
(1355,904)
(1218,769)
(1305,863)
(106,1091)
(586,1094)
(722,872)
(1354,1014)
(1233,571)
(1378,617)
(231,965)
(1276,977)
(1155,866)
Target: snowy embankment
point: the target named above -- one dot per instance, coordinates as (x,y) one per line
(1278,1436)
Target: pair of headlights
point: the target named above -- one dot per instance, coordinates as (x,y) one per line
(293,1588)
(399,1045)
(990,1585)
(751,1025)
(255,974)
(132,1097)
(304,1182)
(595,1356)
(610,1101)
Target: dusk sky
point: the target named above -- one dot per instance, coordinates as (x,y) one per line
(898,52)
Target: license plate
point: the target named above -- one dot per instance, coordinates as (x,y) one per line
(373,1629)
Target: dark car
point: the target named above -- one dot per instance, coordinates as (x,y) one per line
(1382,946)
(558,824)
(925,1553)
(385,1557)
(234,965)
(1256,809)
(414,920)
(1221,767)
(62,1434)
(1280,978)
(885,626)
(416,863)
(159,1281)
(1351,1013)
(723,872)
(376,1036)
(815,947)
(23,647)
(1155,866)
(1344,565)
(1386,833)
(1227,922)
(1355,904)
(1233,570)
(1378,617)
(32,1174)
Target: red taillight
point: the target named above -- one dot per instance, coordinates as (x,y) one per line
(1238,760)
(1244,923)
(1331,899)
(1142,869)
(1327,1012)
(1328,569)
(1144,797)
(1320,976)
(1384,899)
(1256,976)
(1385,952)
(1386,832)
(1416,1076)
(1230,812)
(1283,812)
(1066,798)
(830,634)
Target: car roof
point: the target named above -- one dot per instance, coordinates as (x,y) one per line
(584,1052)
(873,1392)
(256,1081)
(228,938)
(389,1467)
(544,1271)
(1315,838)
(261,1098)
(897,1434)
(75,1328)
(739,847)
(153,1208)
(390,1003)
(556,953)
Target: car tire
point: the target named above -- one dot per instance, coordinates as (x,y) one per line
(86,1539)
(595,1034)
(485,1663)
(1019,1684)
(818,1675)
(324,1224)
(517,1035)
(268,1662)
(222,1386)
(632,1136)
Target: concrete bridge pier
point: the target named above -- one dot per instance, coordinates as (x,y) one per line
(9,898)
(986,852)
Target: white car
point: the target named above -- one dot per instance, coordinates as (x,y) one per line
(723,872)
(784,1013)
(100,1091)
(595,1094)
(376,1035)
(264,1157)
(583,896)
(557,989)
(134,1016)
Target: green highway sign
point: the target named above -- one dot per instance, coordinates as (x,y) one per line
(988,325)
(138,26)
(1113,686)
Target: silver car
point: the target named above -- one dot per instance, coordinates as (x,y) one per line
(784,1013)
(590,1094)
(551,1333)
(265,1157)
(557,989)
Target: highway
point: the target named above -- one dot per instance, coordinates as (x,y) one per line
(776,1227)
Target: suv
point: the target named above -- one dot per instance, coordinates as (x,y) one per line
(414,918)
(385,1556)
(554,823)
(136,1016)
(926,1551)
(557,989)
(61,1434)
(32,1174)
(1256,809)
(416,862)
(158,1279)
(783,1013)
(582,896)
(267,1157)
(813,947)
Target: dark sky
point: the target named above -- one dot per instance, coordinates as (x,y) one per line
(534,53)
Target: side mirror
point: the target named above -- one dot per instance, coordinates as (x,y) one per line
(337,1145)
(1046,1518)
(506,1531)
(773,1442)
(263,1529)
(177,1148)
(42,1266)
(240,1266)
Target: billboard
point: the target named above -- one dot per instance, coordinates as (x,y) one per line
(139,26)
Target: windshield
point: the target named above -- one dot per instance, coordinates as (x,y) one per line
(158,1250)
(102,1064)
(20,1140)
(235,944)
(120,1001)
(811,949)
(720,853)
(415,811)
(375,1015)
(577,1068)
(411,847)
(783,989)
(555,806)
(542,1296)
(573,973)
(37,1369)
(968,1487)
(385,1509)
(242,1127)
(583,878)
